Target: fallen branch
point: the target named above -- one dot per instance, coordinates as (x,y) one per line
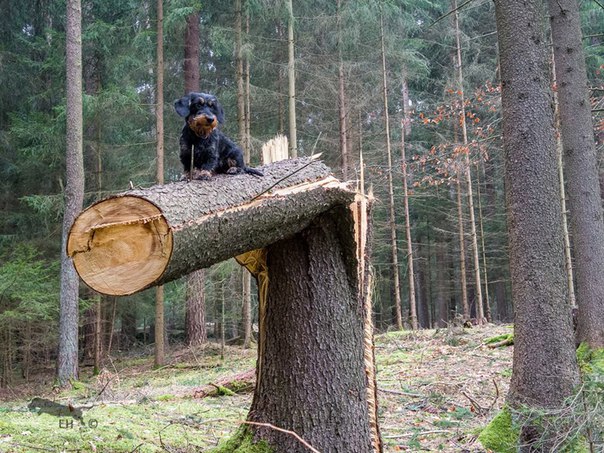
(238,383)
(286,431)
(423,433)
(396,392)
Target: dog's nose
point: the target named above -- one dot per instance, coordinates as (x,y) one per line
(210,119)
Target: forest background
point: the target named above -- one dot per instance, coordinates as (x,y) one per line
(340,71)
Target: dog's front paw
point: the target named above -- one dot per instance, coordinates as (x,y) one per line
(201,175)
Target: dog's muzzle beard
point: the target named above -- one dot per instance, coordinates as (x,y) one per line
(202,125)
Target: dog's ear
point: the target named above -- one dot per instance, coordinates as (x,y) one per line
(182,105)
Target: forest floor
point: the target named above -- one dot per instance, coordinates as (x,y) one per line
(437,389)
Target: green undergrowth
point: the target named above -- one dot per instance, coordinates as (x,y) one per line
(579,424)
(242,442)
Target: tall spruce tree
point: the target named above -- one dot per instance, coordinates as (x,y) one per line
(545,367)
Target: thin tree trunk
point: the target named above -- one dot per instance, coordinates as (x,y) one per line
(191,60)
(98,335)
(581,161)
(487,302)
(342,99)
(242,121)
(545,368)
(112,324)
(396,286)
(195,327)
(159,116)
(67,361)
(568,258)
(291,76)
(462,251)
(468,173)
(410,259)
(442,284)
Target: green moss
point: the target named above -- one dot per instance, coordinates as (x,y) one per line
(590,360)
(242,442)
(166,397)
(500,435)
(500,338)
(223,391)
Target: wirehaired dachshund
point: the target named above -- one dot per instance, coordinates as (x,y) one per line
(203,144)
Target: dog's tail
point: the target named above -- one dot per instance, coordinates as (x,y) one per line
(252,171)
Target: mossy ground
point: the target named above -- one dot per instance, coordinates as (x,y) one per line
(438,388)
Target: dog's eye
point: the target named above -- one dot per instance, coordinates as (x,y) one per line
(201,101)
(210,103)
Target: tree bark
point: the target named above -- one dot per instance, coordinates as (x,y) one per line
(468,173)
(545,366)
(147,237)
(291,77)
(159,120)
(410,256)
(396,286)
(462,251)
(308,356)
(191,60)
(67,361)
(584,199)
(243,121)
(195,327)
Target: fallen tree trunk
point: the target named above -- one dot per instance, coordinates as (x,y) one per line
(142,238)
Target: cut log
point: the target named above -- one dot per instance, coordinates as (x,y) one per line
(141,238)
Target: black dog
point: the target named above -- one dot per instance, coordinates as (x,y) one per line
(213,152)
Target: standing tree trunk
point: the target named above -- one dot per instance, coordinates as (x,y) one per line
(468,172)
(310,276)
(462,250)
(342,98)
(242,121)
(442,283)
(195,328)
(581,161)
(396,286)
(411,272)
(67,361)
(545,366)
(291,77)
(191,60)
(159,117)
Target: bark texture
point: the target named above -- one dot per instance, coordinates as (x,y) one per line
(147,237)
(67,361)
(545,368)
(313,356)
(195,326)
(579,147)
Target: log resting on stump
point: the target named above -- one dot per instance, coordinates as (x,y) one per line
(142,238)
(315,371)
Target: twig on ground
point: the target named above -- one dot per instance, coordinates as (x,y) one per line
(286,431)
(496,396)
(396,392)
(422,433)
(481,410)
